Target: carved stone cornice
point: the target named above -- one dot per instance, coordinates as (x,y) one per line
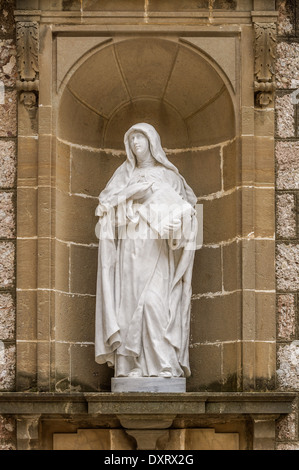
(27,57)
(264,73)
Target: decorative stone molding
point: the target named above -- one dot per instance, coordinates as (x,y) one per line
(265,50)
(27,55)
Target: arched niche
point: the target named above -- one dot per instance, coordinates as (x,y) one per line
(183,93)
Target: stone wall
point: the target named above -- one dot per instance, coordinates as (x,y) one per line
(8,133)
(287,198)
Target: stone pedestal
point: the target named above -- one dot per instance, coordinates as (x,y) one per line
(148,384)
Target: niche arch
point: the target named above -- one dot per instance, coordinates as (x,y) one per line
(191,102)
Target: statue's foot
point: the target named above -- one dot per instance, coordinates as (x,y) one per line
(165,373)
(135,373)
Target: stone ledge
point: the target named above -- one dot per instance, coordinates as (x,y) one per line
(179,404)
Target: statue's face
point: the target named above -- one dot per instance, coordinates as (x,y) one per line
(139,144)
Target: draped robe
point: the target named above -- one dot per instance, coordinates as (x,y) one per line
(145,270)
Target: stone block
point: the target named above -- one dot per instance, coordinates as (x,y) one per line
(44,259)
(27,323)
(264,212)
(285,116)
(207,271)
(7,264)
(208,439)
(286,215)
(287,266)
(7,433)
(7,20)
(231,169)
(27,161)
(216,319)
(264,365)
(27,211)
(83,269)
(86,374)
(148,385)
(62,367)
(248,155)
(26,266)
(220,218)
(85,128)
(202,125)
(198,71)
(288,446)
(232,266)
(158,5)
(286,426)
(265,328)
(63,165)
(287,65)
(264,122)
(286,17)
(287,159)
(75,218)
(264,262)
(7,163)
(74,318)
(91,171)
(206,364)
(26,374)
(7,215)
(7,317)
(231,366)
(8,115)
(264,160)
(62,267)
(286,316)
(201,169)
(150,56)
(8,70)
(7,366)
(288,359)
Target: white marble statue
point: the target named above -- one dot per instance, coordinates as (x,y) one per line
(146,229)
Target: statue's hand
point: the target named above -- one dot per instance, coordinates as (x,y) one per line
(143,192)
(171,226)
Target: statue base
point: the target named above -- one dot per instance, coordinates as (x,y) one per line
(148,384)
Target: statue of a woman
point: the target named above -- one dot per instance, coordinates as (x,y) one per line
(147,228)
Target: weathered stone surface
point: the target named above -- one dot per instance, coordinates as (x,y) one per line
(7,367)
(288,363)
(286,215)
(7,22)
(287,266)
(286,426)
(285,116)
(7,316)
(7,217)
(287,159)
(286,17)
(207,273)
(7,430)
(7,257)
(287,65)
(8,70)
(286,309)
(288,446)
(8,115)
(7,163)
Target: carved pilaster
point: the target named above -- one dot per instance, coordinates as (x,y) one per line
(265,51)
(27,55)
